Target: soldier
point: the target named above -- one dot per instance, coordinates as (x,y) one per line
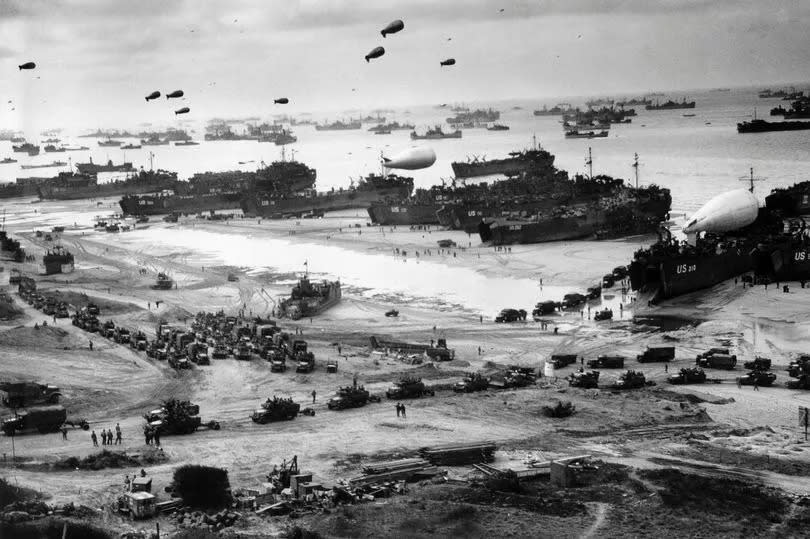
(94,438)
(147,435)
(156,436)
(397,409)
(756,383)
(666,367)
(118,439)
(91,346)
(103,437)
(313,396)
(402,409)
(64,432)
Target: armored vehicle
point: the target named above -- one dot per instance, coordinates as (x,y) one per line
(177,417)
(584,379)
(408,388)
(630,380)
(760,378)
(473,381)
(350,397)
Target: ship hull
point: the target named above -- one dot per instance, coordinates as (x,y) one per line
(180,204)
(120,188)
(403,214)
(766,127)
(501,166)
(784,262)
(275,208)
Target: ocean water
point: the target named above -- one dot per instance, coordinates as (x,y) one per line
(696,157)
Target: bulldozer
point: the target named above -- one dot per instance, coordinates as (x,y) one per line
(18,394)
(473,381)
(630,380)
(276,410)
(584,379)
(694,375)
(408,388)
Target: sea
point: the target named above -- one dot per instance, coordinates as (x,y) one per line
(696,157)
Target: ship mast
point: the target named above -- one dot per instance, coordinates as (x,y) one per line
(589,162)
(635,166)
(151,161)
(751,179)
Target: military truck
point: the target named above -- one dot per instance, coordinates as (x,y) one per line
(572,300)
(277,359)
(408,388)
(584,379)
(657,353)
(18,394)
(563,360)
(594,292)
(178,361)
(694,375)
(276,410)
(761,378)
(758,364)
(713,351)
(510,315)
(606,362)
(630,380)
(543,308)
(93,309)
(331,365)
(121,335)
(40,419)
(108,329)
(718,361)
(242,351)
(351,397)
(138,341)
(177,417)
(604,314)
(473,381)
(608,280)
(306,362)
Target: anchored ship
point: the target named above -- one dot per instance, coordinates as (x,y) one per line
(93,168)
(436,133)
(26,147)
(476,116)
(516,163)
(761,126)
(339,126)
(556,110)
(73,186)
(394,126)
(671,105)
(309,299)
(372,189)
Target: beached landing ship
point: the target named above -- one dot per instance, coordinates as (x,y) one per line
(728,237)
(71,186)
(58,260)
(211,191)
(372,189)
(309,299)
(618,211)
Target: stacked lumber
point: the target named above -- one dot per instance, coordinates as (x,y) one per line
(394,470)
(459,454)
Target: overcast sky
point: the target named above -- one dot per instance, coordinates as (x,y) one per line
(97,59)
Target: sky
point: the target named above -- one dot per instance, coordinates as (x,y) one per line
(97,59)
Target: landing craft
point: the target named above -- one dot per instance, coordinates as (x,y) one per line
(375,53)
(153,95)
(393,27)
(176,93)
(727,211)
(411,159)
(281,101)
(28,65)
(182,111)
(448,62)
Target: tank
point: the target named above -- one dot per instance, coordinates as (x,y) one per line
(277,409)
(584,379)
(163,282)
(760,378)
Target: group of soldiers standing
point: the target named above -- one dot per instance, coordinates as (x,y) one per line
(106,436)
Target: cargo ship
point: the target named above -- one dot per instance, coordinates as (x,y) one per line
(435,133)
(477,115)
(556,110)
(368,191)
(110,142)
(50,148)
(728,237)
(210,191)
(309,299)
(762,126)
(516,163)
(74,186)
(394,126)
(58,260)
(224,132)
(26,147)
(617,210)
(339,126)
(671,105)
(93,168)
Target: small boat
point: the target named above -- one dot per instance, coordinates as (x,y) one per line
(7,160)
(187,143)
(131,147)
(498,127)
(47,165)
(687,115)
(585,134)
(392,313)
(109,142)
(382,131)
